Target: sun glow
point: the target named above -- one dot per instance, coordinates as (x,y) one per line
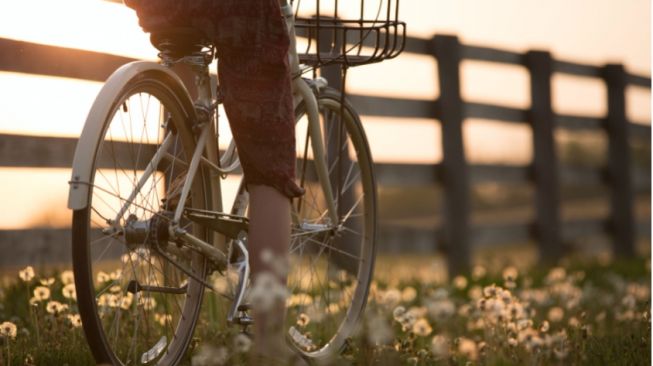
(92,25)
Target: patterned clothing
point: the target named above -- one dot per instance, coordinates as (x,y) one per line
(252,46)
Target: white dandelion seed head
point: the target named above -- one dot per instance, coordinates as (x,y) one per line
(468,348)
(41,293)
(69,291)
(555,314)
(67,277)
(242,343)
(440,346)
(510,274)
(460,282)
(408,294)
(8,330)
(47,281)
(379,331)
(422,328)
(267,291)
(26,274)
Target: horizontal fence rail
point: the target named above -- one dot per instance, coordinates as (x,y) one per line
(456,234)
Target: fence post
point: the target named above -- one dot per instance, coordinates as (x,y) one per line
(545,164)
(454,176)
(621,222)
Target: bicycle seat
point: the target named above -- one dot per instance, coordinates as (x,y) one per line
(179,41)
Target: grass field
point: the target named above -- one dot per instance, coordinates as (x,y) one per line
(580,313)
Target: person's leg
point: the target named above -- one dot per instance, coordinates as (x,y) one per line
(257,95)
(269,230)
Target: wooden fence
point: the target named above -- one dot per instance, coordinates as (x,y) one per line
(455,174)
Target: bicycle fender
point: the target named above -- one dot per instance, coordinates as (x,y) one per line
(94,129)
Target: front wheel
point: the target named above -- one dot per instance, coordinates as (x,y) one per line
(331,263)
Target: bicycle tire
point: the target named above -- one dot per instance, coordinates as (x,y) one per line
(342,258)
(128,329)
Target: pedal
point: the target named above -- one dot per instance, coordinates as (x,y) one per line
(244,307)
(244,320)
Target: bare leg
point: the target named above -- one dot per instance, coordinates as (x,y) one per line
(269,229)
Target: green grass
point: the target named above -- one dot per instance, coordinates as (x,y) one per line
(585,313)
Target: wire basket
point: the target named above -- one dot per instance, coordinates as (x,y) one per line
(348,32)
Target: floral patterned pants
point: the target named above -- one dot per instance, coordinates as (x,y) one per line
(252,46)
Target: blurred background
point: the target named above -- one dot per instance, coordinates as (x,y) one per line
(37,101)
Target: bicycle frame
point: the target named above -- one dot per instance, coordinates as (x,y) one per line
(205,154)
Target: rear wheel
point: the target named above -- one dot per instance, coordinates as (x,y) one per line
(137,300)
(331,263)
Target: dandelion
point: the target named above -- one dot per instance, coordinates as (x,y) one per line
(67,277)
(440,347)
(221,285)
(418,311)
(557,274)
(510,274)
(69,291)
(512,342)
(242,343)
(544,327)
(556,314)
(300,299)
(391,297)
(102,277)
(561,352)
(600,317)
(460,282)
(440,294)
(47,281)
(267,291)
(573,322)
(478,272)
(398,313)
(475,293)
(26,274)
(41,293)
(408,294)
(115,275)
(163,319)
(422,328)
(303,320)
(210,356)
(55,307)
(379,331)
(125,301)
(75,320)
(8,330)
(278,263)
(147,302)
(468,348)
(490,291)
(529,338)
(441,309)
(333,308)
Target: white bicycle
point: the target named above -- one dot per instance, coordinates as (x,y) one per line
(150,229)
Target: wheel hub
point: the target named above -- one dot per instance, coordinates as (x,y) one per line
(149,233)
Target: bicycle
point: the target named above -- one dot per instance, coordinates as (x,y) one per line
(149,228)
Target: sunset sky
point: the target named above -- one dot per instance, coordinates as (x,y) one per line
(589,31)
